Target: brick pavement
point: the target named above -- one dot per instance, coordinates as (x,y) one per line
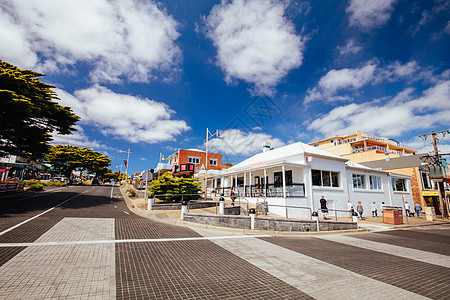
(419,255)
(316,277)
(64,271)
(421,278)
(374,266)
(434,246)
(187,269)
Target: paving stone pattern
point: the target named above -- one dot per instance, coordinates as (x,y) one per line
(433,247)
(188,269)
(418,277)
(30,231)
(82,255)
(72,271)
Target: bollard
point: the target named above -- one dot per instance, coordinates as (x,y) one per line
(355,217)
(184,206)
(222,205)
(315,217)
(252,214)
(149,204)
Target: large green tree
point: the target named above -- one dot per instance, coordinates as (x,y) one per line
(29,113)
(68,158)
(167,184)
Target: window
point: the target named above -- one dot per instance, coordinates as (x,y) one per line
(375,182)
(278,179)
(316,177)
(194,160)
(426,182)
(399,184)
(213,162)
(359,182)
(325,178)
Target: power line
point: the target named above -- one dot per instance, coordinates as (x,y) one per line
(437,163)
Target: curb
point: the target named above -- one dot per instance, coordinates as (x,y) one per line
(176,222)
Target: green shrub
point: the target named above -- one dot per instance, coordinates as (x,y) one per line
(174,187)
(36,187)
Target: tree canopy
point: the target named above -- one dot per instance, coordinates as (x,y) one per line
(29,113)
(167,184)
(68,158)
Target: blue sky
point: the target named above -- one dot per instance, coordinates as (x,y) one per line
(152,76)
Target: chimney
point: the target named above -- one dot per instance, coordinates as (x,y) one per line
(266,146)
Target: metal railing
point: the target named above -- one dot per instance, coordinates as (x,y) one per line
(270,190)
(336,211)
(176,195)
(290,206)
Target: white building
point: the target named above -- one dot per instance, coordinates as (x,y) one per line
(293,178)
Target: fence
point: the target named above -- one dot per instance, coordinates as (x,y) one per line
(269,190)
(347,212)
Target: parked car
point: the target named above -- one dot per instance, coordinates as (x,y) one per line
(95,181)
(59,179)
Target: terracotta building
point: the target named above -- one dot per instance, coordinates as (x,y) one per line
(187,162)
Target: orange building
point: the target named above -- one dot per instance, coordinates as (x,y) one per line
(388,155)
(186,163)
(361,147)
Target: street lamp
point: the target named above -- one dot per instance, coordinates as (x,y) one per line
(128,159)
(209,136)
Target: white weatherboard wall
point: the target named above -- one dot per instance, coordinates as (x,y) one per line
(293,157)
(337,196)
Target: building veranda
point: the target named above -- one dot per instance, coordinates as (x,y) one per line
(293,178)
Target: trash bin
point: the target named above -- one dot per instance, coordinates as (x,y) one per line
(430,213)
(393,216)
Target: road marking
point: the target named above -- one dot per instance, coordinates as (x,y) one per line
(418,255)
(115,206)
(32,218)
(84,271)
(112,188)
(126,212)
(43,194)
(314,277)
(5,245)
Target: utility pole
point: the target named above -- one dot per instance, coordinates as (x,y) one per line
(437,162)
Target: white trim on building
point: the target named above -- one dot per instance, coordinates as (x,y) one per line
(284,177)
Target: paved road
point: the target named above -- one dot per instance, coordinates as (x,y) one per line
(83,243)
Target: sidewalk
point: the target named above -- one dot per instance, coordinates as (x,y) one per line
(368,223)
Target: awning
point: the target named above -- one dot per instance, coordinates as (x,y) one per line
(430,193)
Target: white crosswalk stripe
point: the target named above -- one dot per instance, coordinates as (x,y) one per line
(419,255)
(316,278)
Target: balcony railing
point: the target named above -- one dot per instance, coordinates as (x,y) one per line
(269,190)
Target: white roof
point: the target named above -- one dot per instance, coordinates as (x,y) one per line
(352,164)
(193,149)
(282,154)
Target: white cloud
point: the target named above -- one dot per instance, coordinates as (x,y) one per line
(347,78)
(80,139)
(447,28)
(401,114)
(349,48)
(353,79)
(238,142)
(370,13)
(255,42)
(119,39)
(124,116)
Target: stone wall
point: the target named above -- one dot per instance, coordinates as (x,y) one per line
(177,206)
(264,223)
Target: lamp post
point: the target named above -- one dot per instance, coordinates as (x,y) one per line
(209,136)
(128,159)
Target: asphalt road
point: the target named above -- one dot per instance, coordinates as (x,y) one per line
(82,242)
